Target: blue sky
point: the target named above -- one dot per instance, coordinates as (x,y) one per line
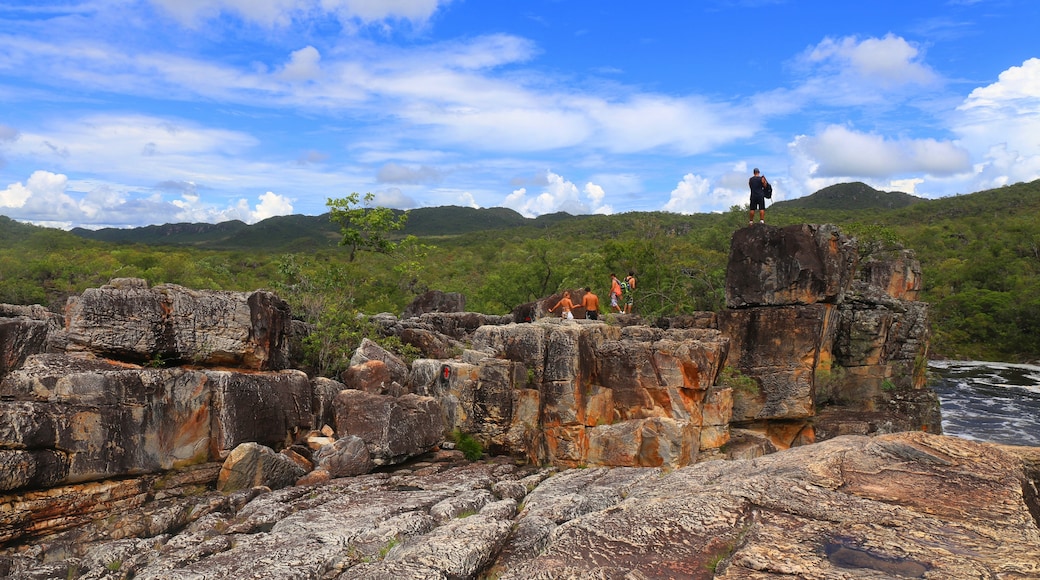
(119,113)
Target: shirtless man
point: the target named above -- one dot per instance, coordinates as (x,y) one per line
(590,302)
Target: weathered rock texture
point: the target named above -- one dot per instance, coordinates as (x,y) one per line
(126,320)
(833,346)
(581,392)
(119,419)
(909,505)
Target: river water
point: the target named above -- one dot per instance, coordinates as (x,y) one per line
(988,401)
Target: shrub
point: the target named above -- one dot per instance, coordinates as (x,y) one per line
(470,447)
(738,381)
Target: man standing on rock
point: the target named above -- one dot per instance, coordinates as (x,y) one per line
(590,302)
(757,183)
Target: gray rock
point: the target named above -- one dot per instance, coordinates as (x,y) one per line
(251,464)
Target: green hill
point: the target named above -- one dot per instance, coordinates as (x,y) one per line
(980,256)
(302,232)
(855,196)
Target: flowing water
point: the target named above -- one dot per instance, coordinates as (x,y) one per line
(988,401)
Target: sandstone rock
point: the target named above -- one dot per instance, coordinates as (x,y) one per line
(901,505)
(251,465)
(799,264)
(86,419)
(264,408)
(324,392)
(393,428)
(345,457)
(371,376)
(170,323)
(21,337)
(369,350)
(435,301)
(780,348)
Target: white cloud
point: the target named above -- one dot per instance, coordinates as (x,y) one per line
(395,173)
(282,12)
(839,151)
(50,199)
(850,71)
(890,61)
(303,65)
(689,195)
(1018,84)
(999,123)
(271,205)
(558,195)
(393,197)
(465,199)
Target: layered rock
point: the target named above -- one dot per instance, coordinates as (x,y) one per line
(893,506)
(170,324)
(833,346)
(144,384)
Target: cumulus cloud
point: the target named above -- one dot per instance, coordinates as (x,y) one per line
(1000,122)
(271,205)
(393,197)
(850,71)
(839,151)
(559,195)
(689,195)
(303,65)
(50,199)
(466,199)
(889,61)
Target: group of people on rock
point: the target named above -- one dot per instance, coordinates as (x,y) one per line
(624,291)
(622,297)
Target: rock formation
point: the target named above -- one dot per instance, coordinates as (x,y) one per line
(164,433)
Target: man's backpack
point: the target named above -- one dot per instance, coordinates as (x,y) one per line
(768,189)
(624,285)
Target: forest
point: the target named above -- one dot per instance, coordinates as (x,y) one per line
(980,255)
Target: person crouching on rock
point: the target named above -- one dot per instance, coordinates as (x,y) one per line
(567,305)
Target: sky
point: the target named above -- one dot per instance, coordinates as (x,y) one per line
(122,113)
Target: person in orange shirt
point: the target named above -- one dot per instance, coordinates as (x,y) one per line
(590,302)
(615,293)
(567,305)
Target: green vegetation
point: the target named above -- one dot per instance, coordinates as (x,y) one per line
(470,447)
(980,255)
(738,381)
(364,227)
(393,542)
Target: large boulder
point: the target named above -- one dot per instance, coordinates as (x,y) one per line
(584,381)
(393,428)
(435,301)
(70,419)
(170,324)
(24,331)
(252,465)
(799,264)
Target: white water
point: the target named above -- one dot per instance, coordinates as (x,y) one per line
(987,401)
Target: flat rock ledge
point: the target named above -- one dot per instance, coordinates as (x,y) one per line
(907,505)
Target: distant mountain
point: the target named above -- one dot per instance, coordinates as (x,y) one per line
(301,232)
(855,195)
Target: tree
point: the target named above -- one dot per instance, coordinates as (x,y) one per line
(364,227)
